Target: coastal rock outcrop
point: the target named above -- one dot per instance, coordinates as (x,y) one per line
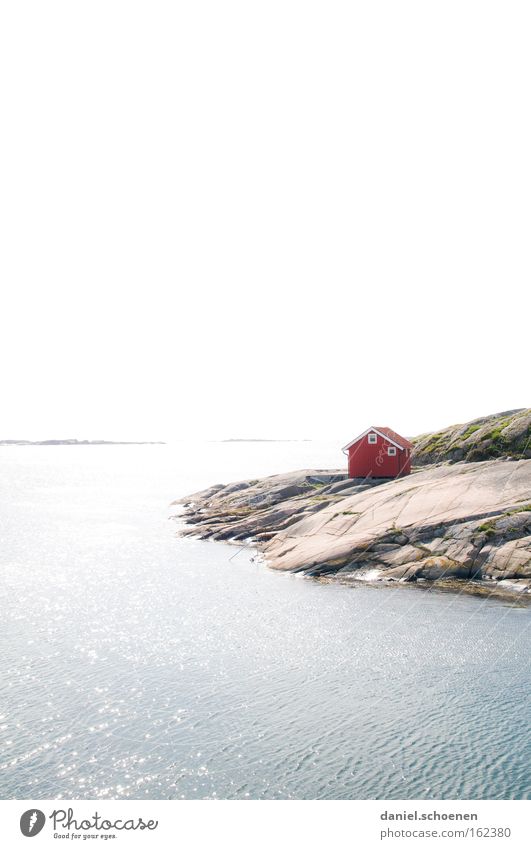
(502,435)
(465,522)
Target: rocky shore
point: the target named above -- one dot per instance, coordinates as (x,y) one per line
(500,435)
(465,525)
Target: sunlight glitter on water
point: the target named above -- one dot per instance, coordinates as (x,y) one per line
(137,664)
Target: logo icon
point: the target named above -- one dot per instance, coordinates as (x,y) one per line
(31,822)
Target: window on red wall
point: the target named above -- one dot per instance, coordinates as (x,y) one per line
(372,439)
(391,451)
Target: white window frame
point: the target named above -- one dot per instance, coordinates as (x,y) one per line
(391,451)
(372,439)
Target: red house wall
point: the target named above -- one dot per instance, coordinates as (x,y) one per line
(404,462)
(365,459)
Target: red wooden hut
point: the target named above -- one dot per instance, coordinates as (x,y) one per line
(378,452)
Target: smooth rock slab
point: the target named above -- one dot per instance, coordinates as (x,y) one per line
(468,520)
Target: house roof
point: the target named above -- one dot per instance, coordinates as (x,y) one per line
(387,433)
(395,437)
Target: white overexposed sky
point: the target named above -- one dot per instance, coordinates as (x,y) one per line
(250,219)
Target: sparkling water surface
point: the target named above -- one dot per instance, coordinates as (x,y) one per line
(136,664)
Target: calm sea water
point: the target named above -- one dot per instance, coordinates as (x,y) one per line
(135,664)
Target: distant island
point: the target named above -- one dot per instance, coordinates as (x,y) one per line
(264,440)
(72,442)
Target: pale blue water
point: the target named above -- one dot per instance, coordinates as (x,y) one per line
(136,664)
